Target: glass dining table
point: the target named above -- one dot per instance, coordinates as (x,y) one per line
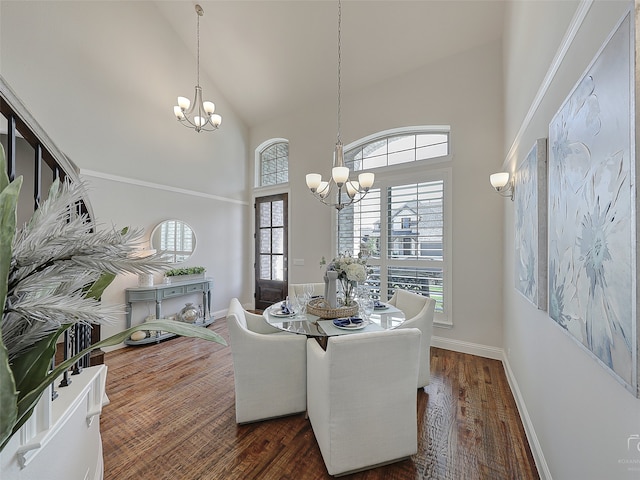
(385,318)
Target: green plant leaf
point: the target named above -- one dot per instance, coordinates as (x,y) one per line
(8,397)
(99,286)
(8,202)
(4,178)
(28,401)
(29,369)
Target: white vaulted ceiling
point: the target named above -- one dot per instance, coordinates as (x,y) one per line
(270,57)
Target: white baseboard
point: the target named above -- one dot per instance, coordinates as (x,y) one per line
(534,444)
(461,346)
(497,353)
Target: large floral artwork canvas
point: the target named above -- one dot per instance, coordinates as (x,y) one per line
(592,232)
(530,198)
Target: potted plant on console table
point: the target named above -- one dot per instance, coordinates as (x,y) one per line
(185,274)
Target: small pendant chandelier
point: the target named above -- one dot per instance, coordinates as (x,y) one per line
(355,190)
(198,115)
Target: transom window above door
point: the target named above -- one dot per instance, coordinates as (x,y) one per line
(273,163)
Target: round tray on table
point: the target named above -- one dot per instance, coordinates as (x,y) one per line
(318,306)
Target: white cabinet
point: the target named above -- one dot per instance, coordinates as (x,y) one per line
(61,440)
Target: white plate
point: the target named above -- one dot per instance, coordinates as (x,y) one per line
(276,311)
(352,326)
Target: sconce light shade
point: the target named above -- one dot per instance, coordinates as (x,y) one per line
(502,183)
(499,180)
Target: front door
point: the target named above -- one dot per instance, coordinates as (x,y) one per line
(271,250)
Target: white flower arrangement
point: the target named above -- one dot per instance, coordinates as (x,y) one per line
(351,270)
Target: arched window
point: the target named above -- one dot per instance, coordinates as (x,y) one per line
(402,224)
(273,163)
(398,146)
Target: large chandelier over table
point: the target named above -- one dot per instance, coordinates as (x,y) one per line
(355,190)
(198,115)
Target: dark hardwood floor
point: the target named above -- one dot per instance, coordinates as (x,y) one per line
(172,416)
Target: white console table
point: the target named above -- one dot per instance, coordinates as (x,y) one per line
(158,293)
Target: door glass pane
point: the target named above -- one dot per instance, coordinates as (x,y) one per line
(277,216)
(265,241)
(277,272)
(278,240)
(265,267)
(265,214)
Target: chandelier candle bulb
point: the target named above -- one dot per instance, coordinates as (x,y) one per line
(366,180)
(209,107)
(216,120)
(323,189)
(178,112)
(313,181)
(340,175)
(184,103)
(352,188)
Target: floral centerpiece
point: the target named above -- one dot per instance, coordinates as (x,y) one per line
(351,270)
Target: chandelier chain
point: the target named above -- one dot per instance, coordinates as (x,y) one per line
(348,191)
(198,47)
(339,62)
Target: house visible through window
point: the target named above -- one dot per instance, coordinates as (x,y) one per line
(400,224)
(274,164)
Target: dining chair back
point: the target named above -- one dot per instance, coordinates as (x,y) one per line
(361,398)
(418,311)
(252,321)
(296,289)
(269,369)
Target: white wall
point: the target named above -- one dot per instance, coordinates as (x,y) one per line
(464,91)
(73,64)
(582,417)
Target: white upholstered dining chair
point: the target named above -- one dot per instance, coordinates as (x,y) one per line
(296,289)
(269,367)
(418,311)
(361,398)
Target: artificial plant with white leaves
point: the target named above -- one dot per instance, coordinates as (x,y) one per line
(53,271)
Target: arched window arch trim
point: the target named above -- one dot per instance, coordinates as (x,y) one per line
(402,131)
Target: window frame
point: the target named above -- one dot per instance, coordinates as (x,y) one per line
(414,172)
(260,149)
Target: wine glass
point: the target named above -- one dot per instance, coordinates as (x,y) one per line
(294,305)
(366,306)
(308,290)
(301,298)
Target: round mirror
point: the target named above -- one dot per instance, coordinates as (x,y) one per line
(174,238)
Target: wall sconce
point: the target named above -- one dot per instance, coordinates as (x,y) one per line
(503,184)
